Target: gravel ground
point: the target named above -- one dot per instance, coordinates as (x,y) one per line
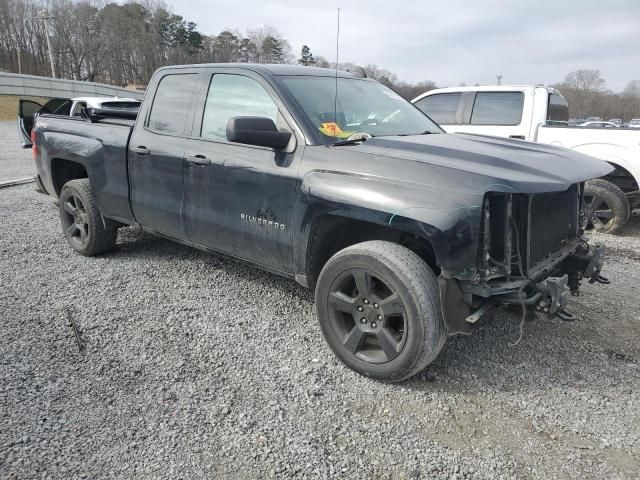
(15,162)
(198,366)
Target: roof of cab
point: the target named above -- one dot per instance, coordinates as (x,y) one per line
(271,69)
(104,99)
(486,88)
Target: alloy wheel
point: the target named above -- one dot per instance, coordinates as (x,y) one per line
(368,315)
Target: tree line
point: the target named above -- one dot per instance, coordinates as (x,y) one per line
(124,44)
(587,95)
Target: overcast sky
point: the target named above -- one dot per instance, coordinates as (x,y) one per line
(449,41)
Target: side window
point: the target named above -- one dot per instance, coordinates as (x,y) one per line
(171,104)
(558,109)
(234,96)
(441,107)
(59,106)
(77,109)
(497,108)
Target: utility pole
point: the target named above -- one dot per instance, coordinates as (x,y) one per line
(499,79)
(44,16)
(19,60)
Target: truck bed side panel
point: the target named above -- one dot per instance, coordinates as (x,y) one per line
(100,147)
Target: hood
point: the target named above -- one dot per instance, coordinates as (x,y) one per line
(523,166)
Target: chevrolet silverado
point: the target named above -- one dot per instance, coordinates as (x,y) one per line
(405,233)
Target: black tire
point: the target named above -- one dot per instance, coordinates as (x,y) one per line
(397,294)
(86,230)
(605,208)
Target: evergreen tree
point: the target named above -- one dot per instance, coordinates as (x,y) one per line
(306,57)
(243,54)
(272,51)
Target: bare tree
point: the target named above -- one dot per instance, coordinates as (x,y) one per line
(583,90)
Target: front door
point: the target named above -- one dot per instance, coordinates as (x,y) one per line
(240,198)
(156,152)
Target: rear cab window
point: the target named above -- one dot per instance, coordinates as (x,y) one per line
(120,105)
(172,103)
(498,108)
(557,110)
(441,107)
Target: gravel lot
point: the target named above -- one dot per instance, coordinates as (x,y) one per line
(15,162)
(198,366)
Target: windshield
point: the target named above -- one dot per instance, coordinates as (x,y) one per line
(361,106)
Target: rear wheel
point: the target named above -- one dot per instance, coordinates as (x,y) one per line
(379,309)
(86,230)
(605,208)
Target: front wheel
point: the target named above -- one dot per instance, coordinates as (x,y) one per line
(605,208)
(379,309)
(86,230)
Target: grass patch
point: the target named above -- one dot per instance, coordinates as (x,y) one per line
(9,105)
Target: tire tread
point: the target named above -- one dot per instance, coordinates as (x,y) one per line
(424,287)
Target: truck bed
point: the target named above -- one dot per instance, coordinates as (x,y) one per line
(100,146)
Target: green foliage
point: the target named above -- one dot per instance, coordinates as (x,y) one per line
(306,57)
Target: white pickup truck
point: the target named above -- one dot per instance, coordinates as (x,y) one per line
(540,114)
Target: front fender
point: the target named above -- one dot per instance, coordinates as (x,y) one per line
(448,218)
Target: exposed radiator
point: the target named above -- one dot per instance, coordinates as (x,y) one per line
(552,223)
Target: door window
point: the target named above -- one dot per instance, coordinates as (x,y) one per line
(497,108)
(172,103)
(441,107)
(234,96)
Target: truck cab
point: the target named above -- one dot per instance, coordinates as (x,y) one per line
(515,111)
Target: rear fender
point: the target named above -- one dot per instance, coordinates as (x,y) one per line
(84,151)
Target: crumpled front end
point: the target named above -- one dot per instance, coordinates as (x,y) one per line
(531,253)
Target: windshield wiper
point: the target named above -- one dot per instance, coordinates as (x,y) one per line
(359,137)
(426,132)
(349,142)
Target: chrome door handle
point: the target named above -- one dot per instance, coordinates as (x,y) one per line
(199,160)
(141,150)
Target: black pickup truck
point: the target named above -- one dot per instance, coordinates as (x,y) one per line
(407,234)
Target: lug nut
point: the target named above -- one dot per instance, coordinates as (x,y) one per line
(363,320)
(375,305)
(366,301)
(380,317)
(360,309)
(373,325)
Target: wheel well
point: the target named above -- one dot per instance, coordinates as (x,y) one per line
(622,178)
(332,233)
(64,170)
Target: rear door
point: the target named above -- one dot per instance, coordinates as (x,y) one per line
(156,152)
(27,110)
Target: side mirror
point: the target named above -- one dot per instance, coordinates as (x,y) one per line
(260,131)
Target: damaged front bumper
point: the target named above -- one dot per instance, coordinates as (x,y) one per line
(544,290)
